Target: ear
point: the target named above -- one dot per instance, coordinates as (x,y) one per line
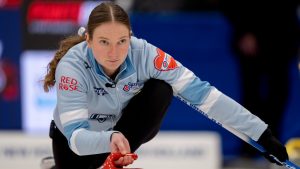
(88,40)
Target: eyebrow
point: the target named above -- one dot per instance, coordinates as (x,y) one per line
(124,37)
(101,37)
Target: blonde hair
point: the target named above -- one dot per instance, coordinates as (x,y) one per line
(105,12)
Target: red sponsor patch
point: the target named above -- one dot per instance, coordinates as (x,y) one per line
(164,62)
(67,83)
(126,88)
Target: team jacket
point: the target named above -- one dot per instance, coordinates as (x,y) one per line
(87,110)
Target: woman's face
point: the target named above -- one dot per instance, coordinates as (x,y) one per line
(110,45)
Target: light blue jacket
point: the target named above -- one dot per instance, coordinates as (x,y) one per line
(87,110)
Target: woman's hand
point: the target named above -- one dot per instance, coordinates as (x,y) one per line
(120,144)
(110,160)
(273,147)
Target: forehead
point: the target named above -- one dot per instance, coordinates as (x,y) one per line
(111,29)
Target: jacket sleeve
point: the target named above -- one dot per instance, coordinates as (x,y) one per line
(199,94)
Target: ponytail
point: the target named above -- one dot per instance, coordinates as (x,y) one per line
(65,45)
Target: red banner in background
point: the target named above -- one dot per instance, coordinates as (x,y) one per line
(53,11)
(10,3)
(57,17)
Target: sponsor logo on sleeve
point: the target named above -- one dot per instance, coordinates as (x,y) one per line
(164,62)
(102,117)
(68,83)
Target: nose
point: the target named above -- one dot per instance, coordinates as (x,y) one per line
(112,51)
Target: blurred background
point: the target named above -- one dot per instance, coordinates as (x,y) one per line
(198,33)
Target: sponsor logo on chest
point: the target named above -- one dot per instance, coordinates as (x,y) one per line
(131,86)
(100,91)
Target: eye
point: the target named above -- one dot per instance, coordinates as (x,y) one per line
(104,42)
(122,41)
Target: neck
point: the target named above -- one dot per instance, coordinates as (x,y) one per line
(112,75)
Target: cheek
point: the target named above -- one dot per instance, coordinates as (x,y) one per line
(99,53)
(124,50)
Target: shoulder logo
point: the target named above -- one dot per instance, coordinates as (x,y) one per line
(164,62)
(68,84)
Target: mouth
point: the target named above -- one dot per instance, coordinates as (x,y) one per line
(113,61)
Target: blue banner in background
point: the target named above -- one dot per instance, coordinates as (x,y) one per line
(10,37)
(200,42)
